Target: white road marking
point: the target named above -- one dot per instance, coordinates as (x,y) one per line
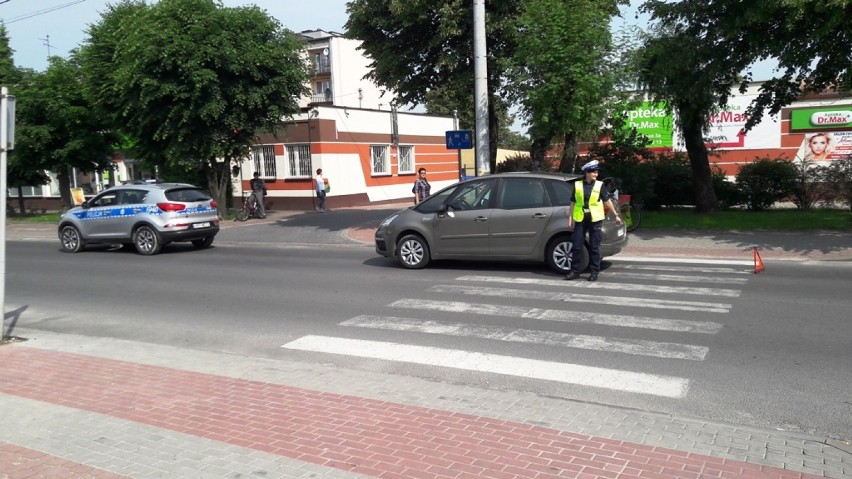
(593,285)
(651,259)
(679,325)
(636,347)
(692,269)
(677,277)
(615,379)
(584,298)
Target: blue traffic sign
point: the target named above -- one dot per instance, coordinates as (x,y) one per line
(459,140)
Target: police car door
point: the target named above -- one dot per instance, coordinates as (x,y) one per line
(100,218)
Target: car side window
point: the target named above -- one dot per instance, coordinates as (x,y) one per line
(561,192)
(518,193)
(130,197)
(473,195)
(106,199)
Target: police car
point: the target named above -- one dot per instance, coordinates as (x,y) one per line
(146,215)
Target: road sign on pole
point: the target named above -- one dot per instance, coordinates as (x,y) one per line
(459,140)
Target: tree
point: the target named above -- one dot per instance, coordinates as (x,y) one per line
(57,127)
(417,46)
(694,78)
(560,70)
(809,39)
(192,81)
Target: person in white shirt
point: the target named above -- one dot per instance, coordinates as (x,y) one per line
(320,187)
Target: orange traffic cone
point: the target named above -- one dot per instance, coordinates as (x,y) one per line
(758,263)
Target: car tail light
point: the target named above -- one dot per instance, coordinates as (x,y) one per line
(213,204)
(171,206)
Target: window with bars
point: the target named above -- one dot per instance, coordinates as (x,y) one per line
(405,159)
(264,160)
(298,161)
(380,162)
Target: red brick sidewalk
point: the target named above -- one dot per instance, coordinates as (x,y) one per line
(370,437)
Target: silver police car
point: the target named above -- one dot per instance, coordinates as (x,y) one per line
(506,216)
(146,215)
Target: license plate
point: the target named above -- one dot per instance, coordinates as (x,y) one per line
(201,225)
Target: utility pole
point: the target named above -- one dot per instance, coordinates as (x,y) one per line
(7,142)
(46,42)
(480,88)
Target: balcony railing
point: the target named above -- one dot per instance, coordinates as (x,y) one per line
(320,98)
(322,67)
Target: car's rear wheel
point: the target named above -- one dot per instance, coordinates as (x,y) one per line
(413,252)
(146,240)
(559,256)
(203,242)
(70,239)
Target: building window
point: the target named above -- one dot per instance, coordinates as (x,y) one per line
(26,190)
(406,159)
(298,161)
(380,161)
(264,160)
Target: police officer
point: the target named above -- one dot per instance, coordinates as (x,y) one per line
(588,210)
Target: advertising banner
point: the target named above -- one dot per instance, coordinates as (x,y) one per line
(727,127)
(77,196)
(821,118)
(650,119)
(826,146)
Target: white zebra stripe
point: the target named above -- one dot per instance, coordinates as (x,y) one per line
(733,293)
(614,379)
(677,277)
(584,298)
(691,269)
(651,259)
(678,325)
(636,347)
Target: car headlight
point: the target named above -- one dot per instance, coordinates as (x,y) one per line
(388,220)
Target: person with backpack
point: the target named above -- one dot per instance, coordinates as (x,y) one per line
(422,189)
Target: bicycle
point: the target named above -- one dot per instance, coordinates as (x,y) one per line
(248,209)
(631,213)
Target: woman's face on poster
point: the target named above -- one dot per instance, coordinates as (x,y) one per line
(818,144)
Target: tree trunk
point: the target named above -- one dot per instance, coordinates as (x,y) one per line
(64,186)
(568,162)
(705,196)
(21,205)
(538,150)
(218,174)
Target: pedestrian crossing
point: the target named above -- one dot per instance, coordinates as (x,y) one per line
(656,302)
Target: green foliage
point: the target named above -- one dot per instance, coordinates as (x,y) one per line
(743,220)
(765,181)
(193,81)
(560,67)
(515,163)
(836,178)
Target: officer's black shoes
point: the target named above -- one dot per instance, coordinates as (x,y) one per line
(572,276)
(593,277)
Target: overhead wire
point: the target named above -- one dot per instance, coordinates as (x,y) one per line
(36,13)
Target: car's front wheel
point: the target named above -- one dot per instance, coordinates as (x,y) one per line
(413,252)
(203,242)
(70,239)
(146,240)
(559,256)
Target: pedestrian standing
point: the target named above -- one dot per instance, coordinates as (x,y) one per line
(422,188)
(320,185)
(258,190)
(587,212)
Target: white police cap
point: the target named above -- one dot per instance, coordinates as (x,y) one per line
(591,166)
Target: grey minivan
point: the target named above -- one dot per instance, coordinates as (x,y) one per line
(518,216)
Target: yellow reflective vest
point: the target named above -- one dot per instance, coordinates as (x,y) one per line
(596,206)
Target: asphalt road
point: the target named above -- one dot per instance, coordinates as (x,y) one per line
(776,354)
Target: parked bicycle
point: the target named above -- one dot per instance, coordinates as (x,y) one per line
(248,209)
(631,212)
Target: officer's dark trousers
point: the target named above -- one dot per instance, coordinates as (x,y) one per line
(579,236)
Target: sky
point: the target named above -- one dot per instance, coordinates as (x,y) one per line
(33,24)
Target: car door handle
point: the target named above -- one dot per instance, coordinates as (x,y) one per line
(539,216)
(480,218)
